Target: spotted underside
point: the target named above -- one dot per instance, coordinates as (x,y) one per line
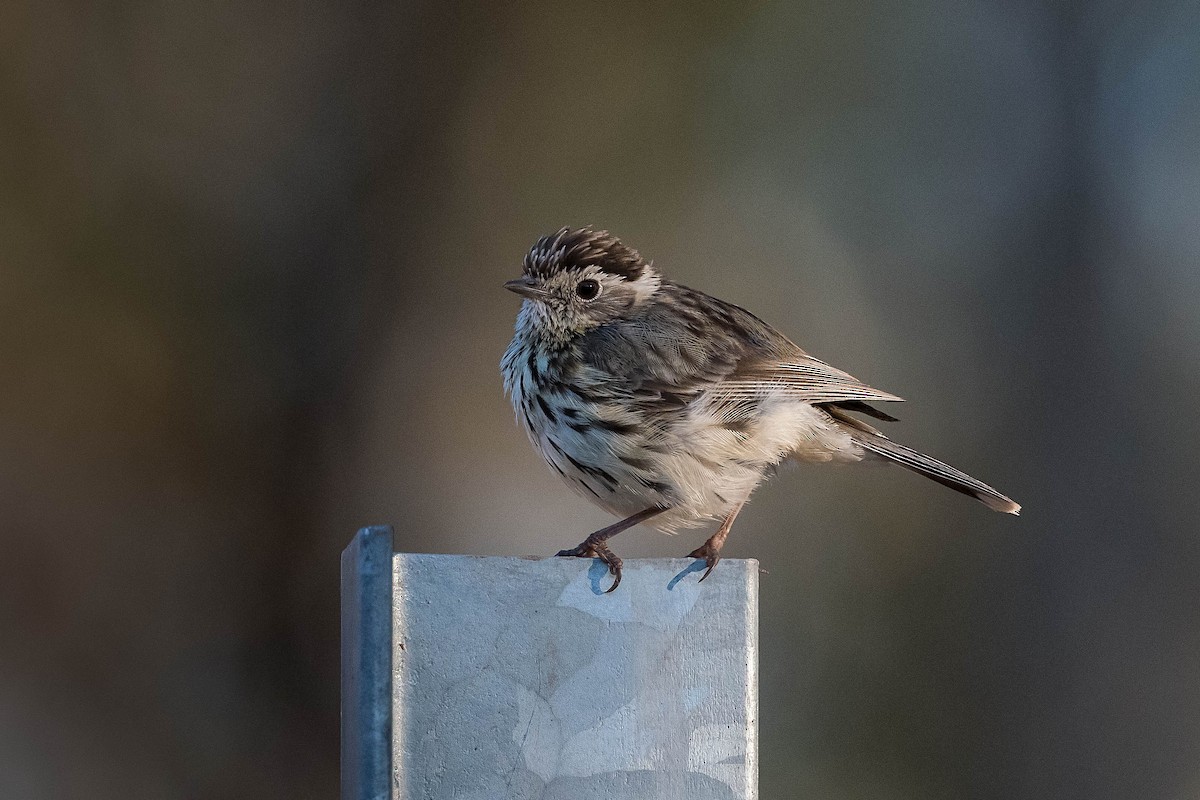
(687,405)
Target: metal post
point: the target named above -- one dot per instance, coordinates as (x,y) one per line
(515,678)
(367,666)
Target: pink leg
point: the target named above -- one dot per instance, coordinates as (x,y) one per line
(710,551)
(596,545)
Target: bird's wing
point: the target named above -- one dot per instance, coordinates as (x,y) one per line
(799,376)
(689,342)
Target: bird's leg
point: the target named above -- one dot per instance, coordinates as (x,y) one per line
(596,545)
(710,551)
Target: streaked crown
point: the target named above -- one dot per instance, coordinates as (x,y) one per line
(577,248)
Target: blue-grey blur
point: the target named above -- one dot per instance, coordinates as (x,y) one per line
(251,259)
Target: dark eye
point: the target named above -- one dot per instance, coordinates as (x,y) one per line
(587,289)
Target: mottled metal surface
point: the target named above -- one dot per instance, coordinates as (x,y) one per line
(517,678)
(367,665)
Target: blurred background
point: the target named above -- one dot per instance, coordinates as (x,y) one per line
(250,268)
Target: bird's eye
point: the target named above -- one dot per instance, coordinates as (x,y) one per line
(588,289)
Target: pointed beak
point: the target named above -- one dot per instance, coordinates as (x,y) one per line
(526,287)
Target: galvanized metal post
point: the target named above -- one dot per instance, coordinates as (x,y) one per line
(515,678)
(367,665)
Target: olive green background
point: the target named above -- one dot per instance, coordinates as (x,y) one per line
(250,269)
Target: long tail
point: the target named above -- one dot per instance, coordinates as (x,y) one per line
(935,470)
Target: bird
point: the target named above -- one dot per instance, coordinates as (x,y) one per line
(667,406)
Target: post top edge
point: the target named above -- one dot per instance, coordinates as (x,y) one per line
(663,561)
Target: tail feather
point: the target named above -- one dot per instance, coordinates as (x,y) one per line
(936,470)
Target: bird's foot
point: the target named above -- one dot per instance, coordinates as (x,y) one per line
(598,550)
(710,553)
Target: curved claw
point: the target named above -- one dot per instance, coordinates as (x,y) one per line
(610,559)
(616,577)
(710,555)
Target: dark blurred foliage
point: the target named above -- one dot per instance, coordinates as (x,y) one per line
(250,258)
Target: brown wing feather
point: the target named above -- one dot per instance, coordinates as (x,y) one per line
(691,342)
(801,376)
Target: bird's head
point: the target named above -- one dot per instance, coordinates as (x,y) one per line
(579,279)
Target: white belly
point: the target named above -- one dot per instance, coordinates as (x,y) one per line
(693,461)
